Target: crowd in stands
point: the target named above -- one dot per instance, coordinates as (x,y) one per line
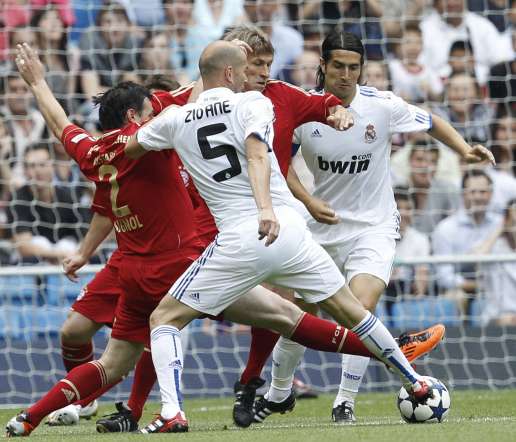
(453,57)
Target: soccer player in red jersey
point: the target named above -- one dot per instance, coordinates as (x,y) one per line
(95,305)
(156,238)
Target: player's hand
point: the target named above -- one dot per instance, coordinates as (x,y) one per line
(243,46)
(479,154)
(73,263)
(340,118)
(268,226)
(29,64)
(322,211)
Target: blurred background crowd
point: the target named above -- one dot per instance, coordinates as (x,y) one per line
(453,57)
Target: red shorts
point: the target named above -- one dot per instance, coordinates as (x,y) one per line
(97,300)
(143,283)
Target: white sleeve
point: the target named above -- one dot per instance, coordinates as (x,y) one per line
(407,117)
(257,118)
(158,134)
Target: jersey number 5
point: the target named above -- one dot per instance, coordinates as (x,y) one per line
(105,170)
(210,152)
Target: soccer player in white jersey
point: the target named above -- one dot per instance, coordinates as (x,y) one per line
(224,142)
(355,215)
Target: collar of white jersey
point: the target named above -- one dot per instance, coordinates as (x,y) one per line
(357,105)
(215,92)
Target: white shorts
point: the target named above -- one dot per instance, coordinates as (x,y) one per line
(371,252)
(237,262)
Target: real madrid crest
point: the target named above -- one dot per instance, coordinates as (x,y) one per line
(370,134)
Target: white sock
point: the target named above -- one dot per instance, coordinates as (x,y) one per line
(353,370)
(285,358)
(380,342)
(167,356)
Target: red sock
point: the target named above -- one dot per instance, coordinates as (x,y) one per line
(262,344)
(81,382)
(323,335)
(96,394)
(76,354)
(144,379)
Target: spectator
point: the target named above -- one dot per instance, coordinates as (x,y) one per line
(287,42)
(493,10)
(376,74)
(461,59)
(17,35)
(464,109)
(52,40)
(502,83)
(107,51)
(304,70)
(462,233)
(213,17)
(350,16)
(46,222)
(450,22)
(156,56)
(433,198)
(398,12)
(148,13)
(26,122)
(408,280)
(504,144)
(186,42)
(6,149)
(444,161)
(411,79)
(500,278)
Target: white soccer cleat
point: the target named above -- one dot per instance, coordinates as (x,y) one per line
(89,410)
(66,416)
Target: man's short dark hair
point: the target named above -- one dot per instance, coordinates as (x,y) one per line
(475,173)
(161,82)
(37,146)
(114,104)
(461,45)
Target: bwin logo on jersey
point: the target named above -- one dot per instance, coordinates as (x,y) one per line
(358,163)
(316,134)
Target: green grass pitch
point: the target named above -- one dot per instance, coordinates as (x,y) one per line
(479,415)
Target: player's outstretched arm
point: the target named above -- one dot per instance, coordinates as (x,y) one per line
(319,209)
(133,149)
(444,132)
(259,170)
(99,229)
(33,72)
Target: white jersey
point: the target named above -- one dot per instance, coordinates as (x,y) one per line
(209,137)
(351,169)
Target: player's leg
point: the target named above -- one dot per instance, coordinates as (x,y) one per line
(76,349)
(115,363)
(368,289)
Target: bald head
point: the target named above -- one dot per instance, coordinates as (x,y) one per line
(219,57)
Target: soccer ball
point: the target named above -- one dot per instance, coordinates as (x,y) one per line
(434,409)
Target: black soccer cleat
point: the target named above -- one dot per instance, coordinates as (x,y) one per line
(343,413)
(120,422)
(264,408)
(243,412)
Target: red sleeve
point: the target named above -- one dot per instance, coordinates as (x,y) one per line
(309,107)
(97,206)
(162,99)
(77,142)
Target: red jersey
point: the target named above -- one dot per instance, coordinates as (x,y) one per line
(292,108)
(145,198)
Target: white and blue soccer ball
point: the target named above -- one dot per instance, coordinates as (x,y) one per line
(433,410)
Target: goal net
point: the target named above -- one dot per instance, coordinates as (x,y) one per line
(475,353)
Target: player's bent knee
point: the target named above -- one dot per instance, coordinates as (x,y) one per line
(78,329)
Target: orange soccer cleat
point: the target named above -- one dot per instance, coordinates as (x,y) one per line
(415,345)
